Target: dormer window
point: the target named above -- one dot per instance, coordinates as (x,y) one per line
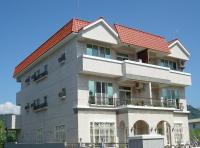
(98,51)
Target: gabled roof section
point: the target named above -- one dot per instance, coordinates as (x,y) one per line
(75,25)
(142,39)
(100,30)
(172,41)
(104,22)
(176,41)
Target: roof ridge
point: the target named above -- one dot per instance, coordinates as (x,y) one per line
(140,31)
(171,41)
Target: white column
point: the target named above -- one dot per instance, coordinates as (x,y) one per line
(150,93)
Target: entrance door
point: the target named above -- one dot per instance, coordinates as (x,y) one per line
(124,95)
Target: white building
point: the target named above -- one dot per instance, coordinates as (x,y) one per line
(194,123)
(92,82)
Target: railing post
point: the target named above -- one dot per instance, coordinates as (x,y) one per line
(161,100)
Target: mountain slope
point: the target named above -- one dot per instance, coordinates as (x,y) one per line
(194,112)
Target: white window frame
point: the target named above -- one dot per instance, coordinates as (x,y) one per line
(60,133)
(107,137)
(178,133)
(39,135)
(168,65)
(102,95)
(124,90)
(99,50)
(121,55)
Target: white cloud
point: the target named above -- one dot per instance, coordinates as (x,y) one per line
(9,108)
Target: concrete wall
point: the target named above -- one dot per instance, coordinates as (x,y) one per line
(47,145)
(85,117)
(100,32)
(59,112)
(77,122)
(177,52)
(146,141)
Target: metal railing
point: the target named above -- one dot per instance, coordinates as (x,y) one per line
(115,145)
(139,101)
(96,145)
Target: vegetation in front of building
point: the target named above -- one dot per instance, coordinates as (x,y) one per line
(6,135)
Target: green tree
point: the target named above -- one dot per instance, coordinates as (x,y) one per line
(2,133)
(11,136)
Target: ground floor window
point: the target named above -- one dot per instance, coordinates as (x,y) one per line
(102,132)
(60,133)
(178,133)
(39,135)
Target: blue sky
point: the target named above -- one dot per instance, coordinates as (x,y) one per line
(26,24)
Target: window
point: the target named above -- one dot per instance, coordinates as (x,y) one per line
(124,93)
(39,135)
(98,51)
(100,93)
(178,133)
(166,63)
(193,125)
(102,132)
(170,93)
(38,72)
(62,58)
(45,67)
(122,57)
(60,133)
(27,80)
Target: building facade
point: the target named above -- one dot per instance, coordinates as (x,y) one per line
(92,82)
(194,124)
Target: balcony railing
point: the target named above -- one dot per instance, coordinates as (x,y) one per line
(170,103)
(154,102)
(40,76)
(101,101)
(41,106)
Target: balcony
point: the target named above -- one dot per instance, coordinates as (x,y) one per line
(145,72)
(100,66)
(127,69)
(153,102)
(143,102)
(39,107)
(40,76)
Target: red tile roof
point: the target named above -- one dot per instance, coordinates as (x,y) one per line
(142,39)
(72,26)
(126,35)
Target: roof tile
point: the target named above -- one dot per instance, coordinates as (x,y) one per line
(72,26)
(142,39)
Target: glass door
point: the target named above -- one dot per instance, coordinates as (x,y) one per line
(124,95)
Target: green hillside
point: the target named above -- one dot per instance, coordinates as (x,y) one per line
(194,112)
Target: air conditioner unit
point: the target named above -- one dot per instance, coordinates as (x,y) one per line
(139,85)
(62,94)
